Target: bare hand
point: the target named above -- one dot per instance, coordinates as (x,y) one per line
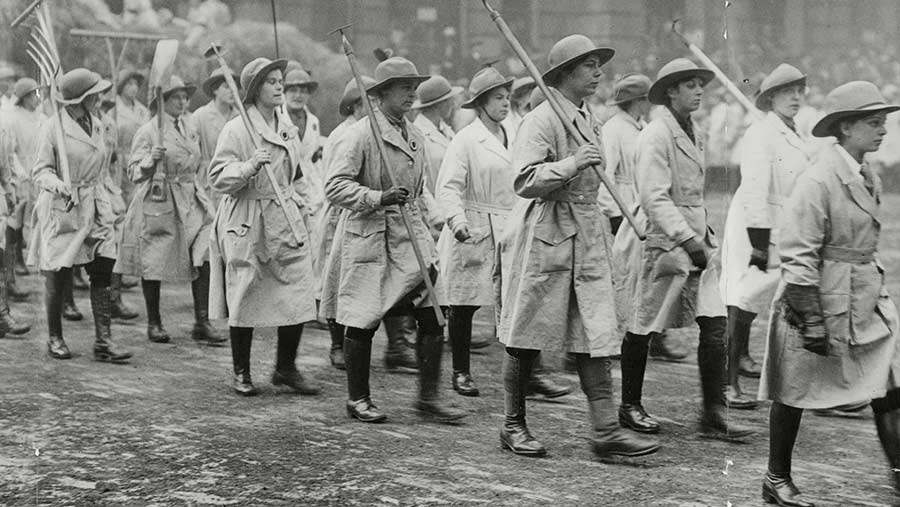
(260,157)
(157,153)
(58,187)
(588,155)
(462,233)
(394,195)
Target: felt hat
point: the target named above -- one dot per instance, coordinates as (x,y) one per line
(125,75)
(483,82)
(299,77)
(254,73)
(570,49)
(351,94)
(75,85)
(674,72)
(630,87)
(434,90)
(176,84)
(537,96)
(395,68)
(23,87)
(783,76)
(522,86)
(851,99)
(215,79)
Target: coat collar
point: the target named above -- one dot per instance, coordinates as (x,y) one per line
(623,116)
(437,134)
(582,117)
(484,136)
(286,128)
(392,135)
(73,130)
(682,140)
(851,177)
(792,137)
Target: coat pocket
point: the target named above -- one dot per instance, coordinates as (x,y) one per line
(159,218)
(237,245)
(364,241)
(554,249)
(65,221)
(834,295)
(473,252)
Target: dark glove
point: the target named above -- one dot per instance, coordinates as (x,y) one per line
(697,253)
(614,224)
(317,155)
(759,240)
(394,195)
(803,310)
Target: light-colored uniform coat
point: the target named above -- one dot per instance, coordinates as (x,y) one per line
(773,157)
(661,287)
(210,122)
(260,275)
(372,266)
(475,187)
(620,135)
(20,131)
(830,241)
(60,238)
(166,240)
(437,138)
(313,182)
(128,121)
(556,287)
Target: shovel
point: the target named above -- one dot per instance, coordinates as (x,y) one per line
(160,75)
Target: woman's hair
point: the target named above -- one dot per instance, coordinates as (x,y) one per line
(835,129)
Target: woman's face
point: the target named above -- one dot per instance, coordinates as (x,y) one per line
(786,101)
(397,99)
(271,91)
(130,90)
(297,97)
(685,97)
(865,134)
(585,77)
(176,103)
(496,103)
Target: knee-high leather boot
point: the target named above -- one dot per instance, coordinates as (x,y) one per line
(204,331)
(398,356)
(738,334)
(104,348)
(514,434)
(120,310)
(8,325)
(887,422)
(9,266)
(241,344)
(336,354)
(541,383)
(711,362)
(429,350)
(56,346)
(778,487)
(69,310)
(634,365)
(459,329)
(286,373)
(358,358)
(156,333)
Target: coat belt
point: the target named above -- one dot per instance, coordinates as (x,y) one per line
(577,197)
(485,208)
(256,194)
(851,255)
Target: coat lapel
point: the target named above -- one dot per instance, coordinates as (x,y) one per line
(74,131)
(854,183)
(490,142)
(789,135)
(682,140)
(391,135)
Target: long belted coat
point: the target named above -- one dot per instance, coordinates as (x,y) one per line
(166,239)
(372,266)
(128,121)
(61,238)
(475,187)
(620,135)
(660,287)
(437,139)
(260,275)
(556,287)
(830,241)
(773,157)
(210,122)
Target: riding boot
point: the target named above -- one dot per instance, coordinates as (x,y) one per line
(711,362)
(398,356)
(634,365)
(747,366)
(104,349)
(737,334)
(358,358)
(120,310)
(8,325)
(204,331)
(56,346)
(429,349)
(459,329)
(241,344)
(887,422)
(336,354)
(21,267)
(78,281)
(9,262)
(541,383)
(778,487)
(609,438)
(664,348)
(156,333)
(286,373)
(69,310)
(514,434)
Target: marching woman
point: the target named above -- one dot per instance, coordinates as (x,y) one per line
(261,275)
(474,193)
(676,274)
(556,288)
(833,331)
(166,233)
(74,224)
(772,158)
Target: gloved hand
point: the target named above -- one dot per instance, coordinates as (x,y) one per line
(614,224)
(697,253)
(803,310)
(260,157)
(317,155)
(57,187)
(394,195)
(461,233)
(157,153)
(759,240)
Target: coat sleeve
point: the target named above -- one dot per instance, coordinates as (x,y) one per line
(612,151)
(451,183)
(45,171)
(805,218)
(140,162)
(756,173)
(342,186)
(653,176)
(228,171)
(538,169)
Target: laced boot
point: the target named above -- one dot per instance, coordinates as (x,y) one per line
(399,356)
(358,357)
(69,310)
(56,346)
(104,349)
(203,331)
(241,343)
(286,373)
(120,310)
(714,422)
(156,333)
(514,434)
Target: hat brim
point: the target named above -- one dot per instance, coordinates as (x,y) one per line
(762,97)
(470,104)
(619,102)
(384,82)
(657,93)
(30,91)
(209,86)
(312,85)
(823,127)
(99,87)
(454,91)
(253,85)
(605,54)
(133,75)
(190,89)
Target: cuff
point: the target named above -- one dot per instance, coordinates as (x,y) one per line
(372,199)
(457,221)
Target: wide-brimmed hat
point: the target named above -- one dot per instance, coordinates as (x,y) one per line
(435,90)
(176,84)
(783,76)
(253,74)
(351,94)
(299,77)
(630,87)
(23,87)
(674,72)
(215,79)
(125,75)
(570,49)
(855,98)
(522,86)
(483,82)
(537,96)
(395,68)
(75,85)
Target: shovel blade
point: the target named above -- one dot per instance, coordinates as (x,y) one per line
(163,63)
